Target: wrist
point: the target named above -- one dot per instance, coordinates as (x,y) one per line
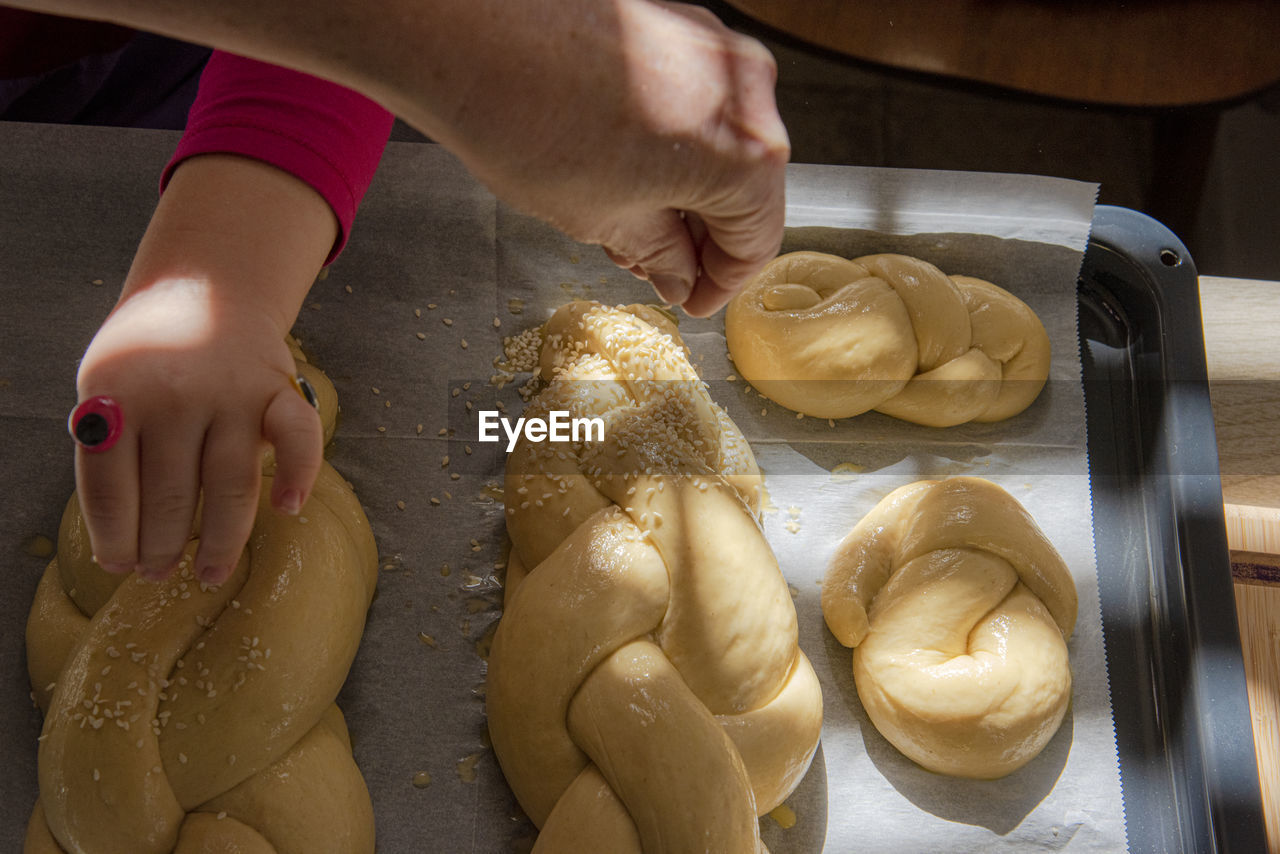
(248,233)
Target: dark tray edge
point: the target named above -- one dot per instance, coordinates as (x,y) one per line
(1138,271)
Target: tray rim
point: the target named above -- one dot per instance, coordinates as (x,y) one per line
(1148,272)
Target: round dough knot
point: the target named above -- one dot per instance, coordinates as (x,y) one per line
(958,610)
(833,338)
(186,718)
(646,688)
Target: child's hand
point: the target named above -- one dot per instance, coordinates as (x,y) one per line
(194,355)
(201,385)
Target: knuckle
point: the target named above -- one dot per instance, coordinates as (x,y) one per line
(754,51)
(649,256)
(294,427)
(298,452)
(297,431)
(167,504)
(234,488)
(102,506)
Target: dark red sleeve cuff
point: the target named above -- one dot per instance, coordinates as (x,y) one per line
(324,134)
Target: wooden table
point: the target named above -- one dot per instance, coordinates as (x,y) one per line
(1242,346)
(1172,53)
(1176,62)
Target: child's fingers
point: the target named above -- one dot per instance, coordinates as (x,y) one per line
(293,428)
(107,488)
(168,465)
(231,471)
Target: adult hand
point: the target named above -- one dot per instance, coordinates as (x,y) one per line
(649,128)
(644,126)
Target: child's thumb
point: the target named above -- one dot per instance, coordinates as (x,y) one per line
(292,426)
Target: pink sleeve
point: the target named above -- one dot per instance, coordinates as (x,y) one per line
(323,134)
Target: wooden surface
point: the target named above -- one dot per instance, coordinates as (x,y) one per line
(1242,347)
(1257,608)
(1172,52)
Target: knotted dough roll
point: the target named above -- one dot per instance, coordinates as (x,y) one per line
(646,690)
(834,338)
(958,610)
(186,718)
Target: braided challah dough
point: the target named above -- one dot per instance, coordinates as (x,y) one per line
(646,689)
(958,610)
(186,718)
(834,338)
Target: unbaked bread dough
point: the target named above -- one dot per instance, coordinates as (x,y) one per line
(958,610)
(646,690)
(833,338)
(183,718)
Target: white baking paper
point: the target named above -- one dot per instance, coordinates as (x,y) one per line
(434,261)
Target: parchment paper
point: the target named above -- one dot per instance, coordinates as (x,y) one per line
(434,261)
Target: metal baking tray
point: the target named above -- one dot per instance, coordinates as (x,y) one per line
(1183,732)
